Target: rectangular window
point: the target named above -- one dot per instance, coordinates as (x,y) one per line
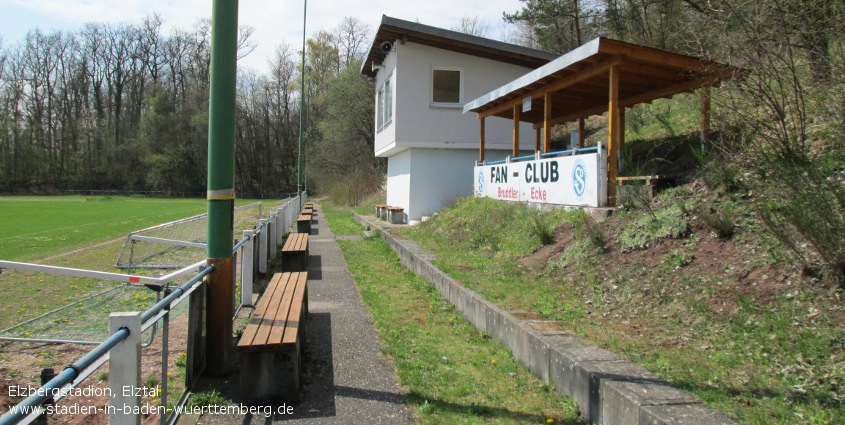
(446,86)
(384,104)
(380,108)
(388,101)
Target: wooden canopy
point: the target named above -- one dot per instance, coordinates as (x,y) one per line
(601,76)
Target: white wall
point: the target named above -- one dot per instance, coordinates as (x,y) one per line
(399,180)
(424,181)
(416,123)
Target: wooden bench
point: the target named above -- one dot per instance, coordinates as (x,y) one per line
(381,209)
(271,344)
(303,223)
(395,215)
(295,253)
(309,205)
(307,210)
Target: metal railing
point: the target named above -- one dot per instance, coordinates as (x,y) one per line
(54,390)
(509,159)
(256,248)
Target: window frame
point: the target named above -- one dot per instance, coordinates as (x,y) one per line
(384,104)
(447,105)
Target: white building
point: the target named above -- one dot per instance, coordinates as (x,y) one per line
(424,75)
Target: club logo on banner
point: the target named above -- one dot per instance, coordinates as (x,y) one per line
(480,181)
(579,179)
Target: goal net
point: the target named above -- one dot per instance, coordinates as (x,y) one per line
(179,243)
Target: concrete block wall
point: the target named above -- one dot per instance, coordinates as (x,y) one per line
(609,389)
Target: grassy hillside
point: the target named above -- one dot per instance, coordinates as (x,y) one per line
(690,286)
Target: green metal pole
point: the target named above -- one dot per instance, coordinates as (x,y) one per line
(301,103)
(221,184)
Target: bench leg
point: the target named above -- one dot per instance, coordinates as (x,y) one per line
(270,378)
(295,261)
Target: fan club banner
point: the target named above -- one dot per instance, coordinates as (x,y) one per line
(572,180)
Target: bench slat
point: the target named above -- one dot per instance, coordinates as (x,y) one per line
(248,337)
(292,329)
(270,316)
(280,317)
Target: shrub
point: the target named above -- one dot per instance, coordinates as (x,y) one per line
(542,228)
(720,221)
(806,213)
(593,234)
(662,224)
(719,176)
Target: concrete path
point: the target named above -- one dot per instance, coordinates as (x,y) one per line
(346,378)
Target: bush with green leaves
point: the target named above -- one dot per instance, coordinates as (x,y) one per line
(665,223)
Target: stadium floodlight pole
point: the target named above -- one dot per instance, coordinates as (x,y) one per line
(221,185)
(301,104)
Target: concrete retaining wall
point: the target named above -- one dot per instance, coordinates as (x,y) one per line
(609,389)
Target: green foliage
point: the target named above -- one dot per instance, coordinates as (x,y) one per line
(816,216)
(341,220)
(593,233)
(677,259)
(341,161)
(720,175)
(666,223)
(542,229)
(453,373)
(208,398)
(506,228)
(578,253)
(722,221)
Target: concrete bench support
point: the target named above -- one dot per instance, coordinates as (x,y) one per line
(303,223)
(295,253)
(396,215)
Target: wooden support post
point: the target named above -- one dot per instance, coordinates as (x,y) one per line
(481,140)
(581,135)
(705,117)
(516,114)
(218,316)
(621,137)
(537,140)
(547,127)
(613,137)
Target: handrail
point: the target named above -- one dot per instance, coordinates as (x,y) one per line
(241,243)
(175,294)
(520,158)
(48,390)
(570,151)
(26,407)
(543,155)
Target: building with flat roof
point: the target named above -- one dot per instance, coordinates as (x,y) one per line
(424,75)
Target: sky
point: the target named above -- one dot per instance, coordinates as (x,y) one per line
(274,21)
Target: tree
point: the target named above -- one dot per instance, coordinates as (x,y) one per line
(472,25)
(558,25)
(343,156)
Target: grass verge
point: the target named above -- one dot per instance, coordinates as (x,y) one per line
(724,319)
(453,373)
